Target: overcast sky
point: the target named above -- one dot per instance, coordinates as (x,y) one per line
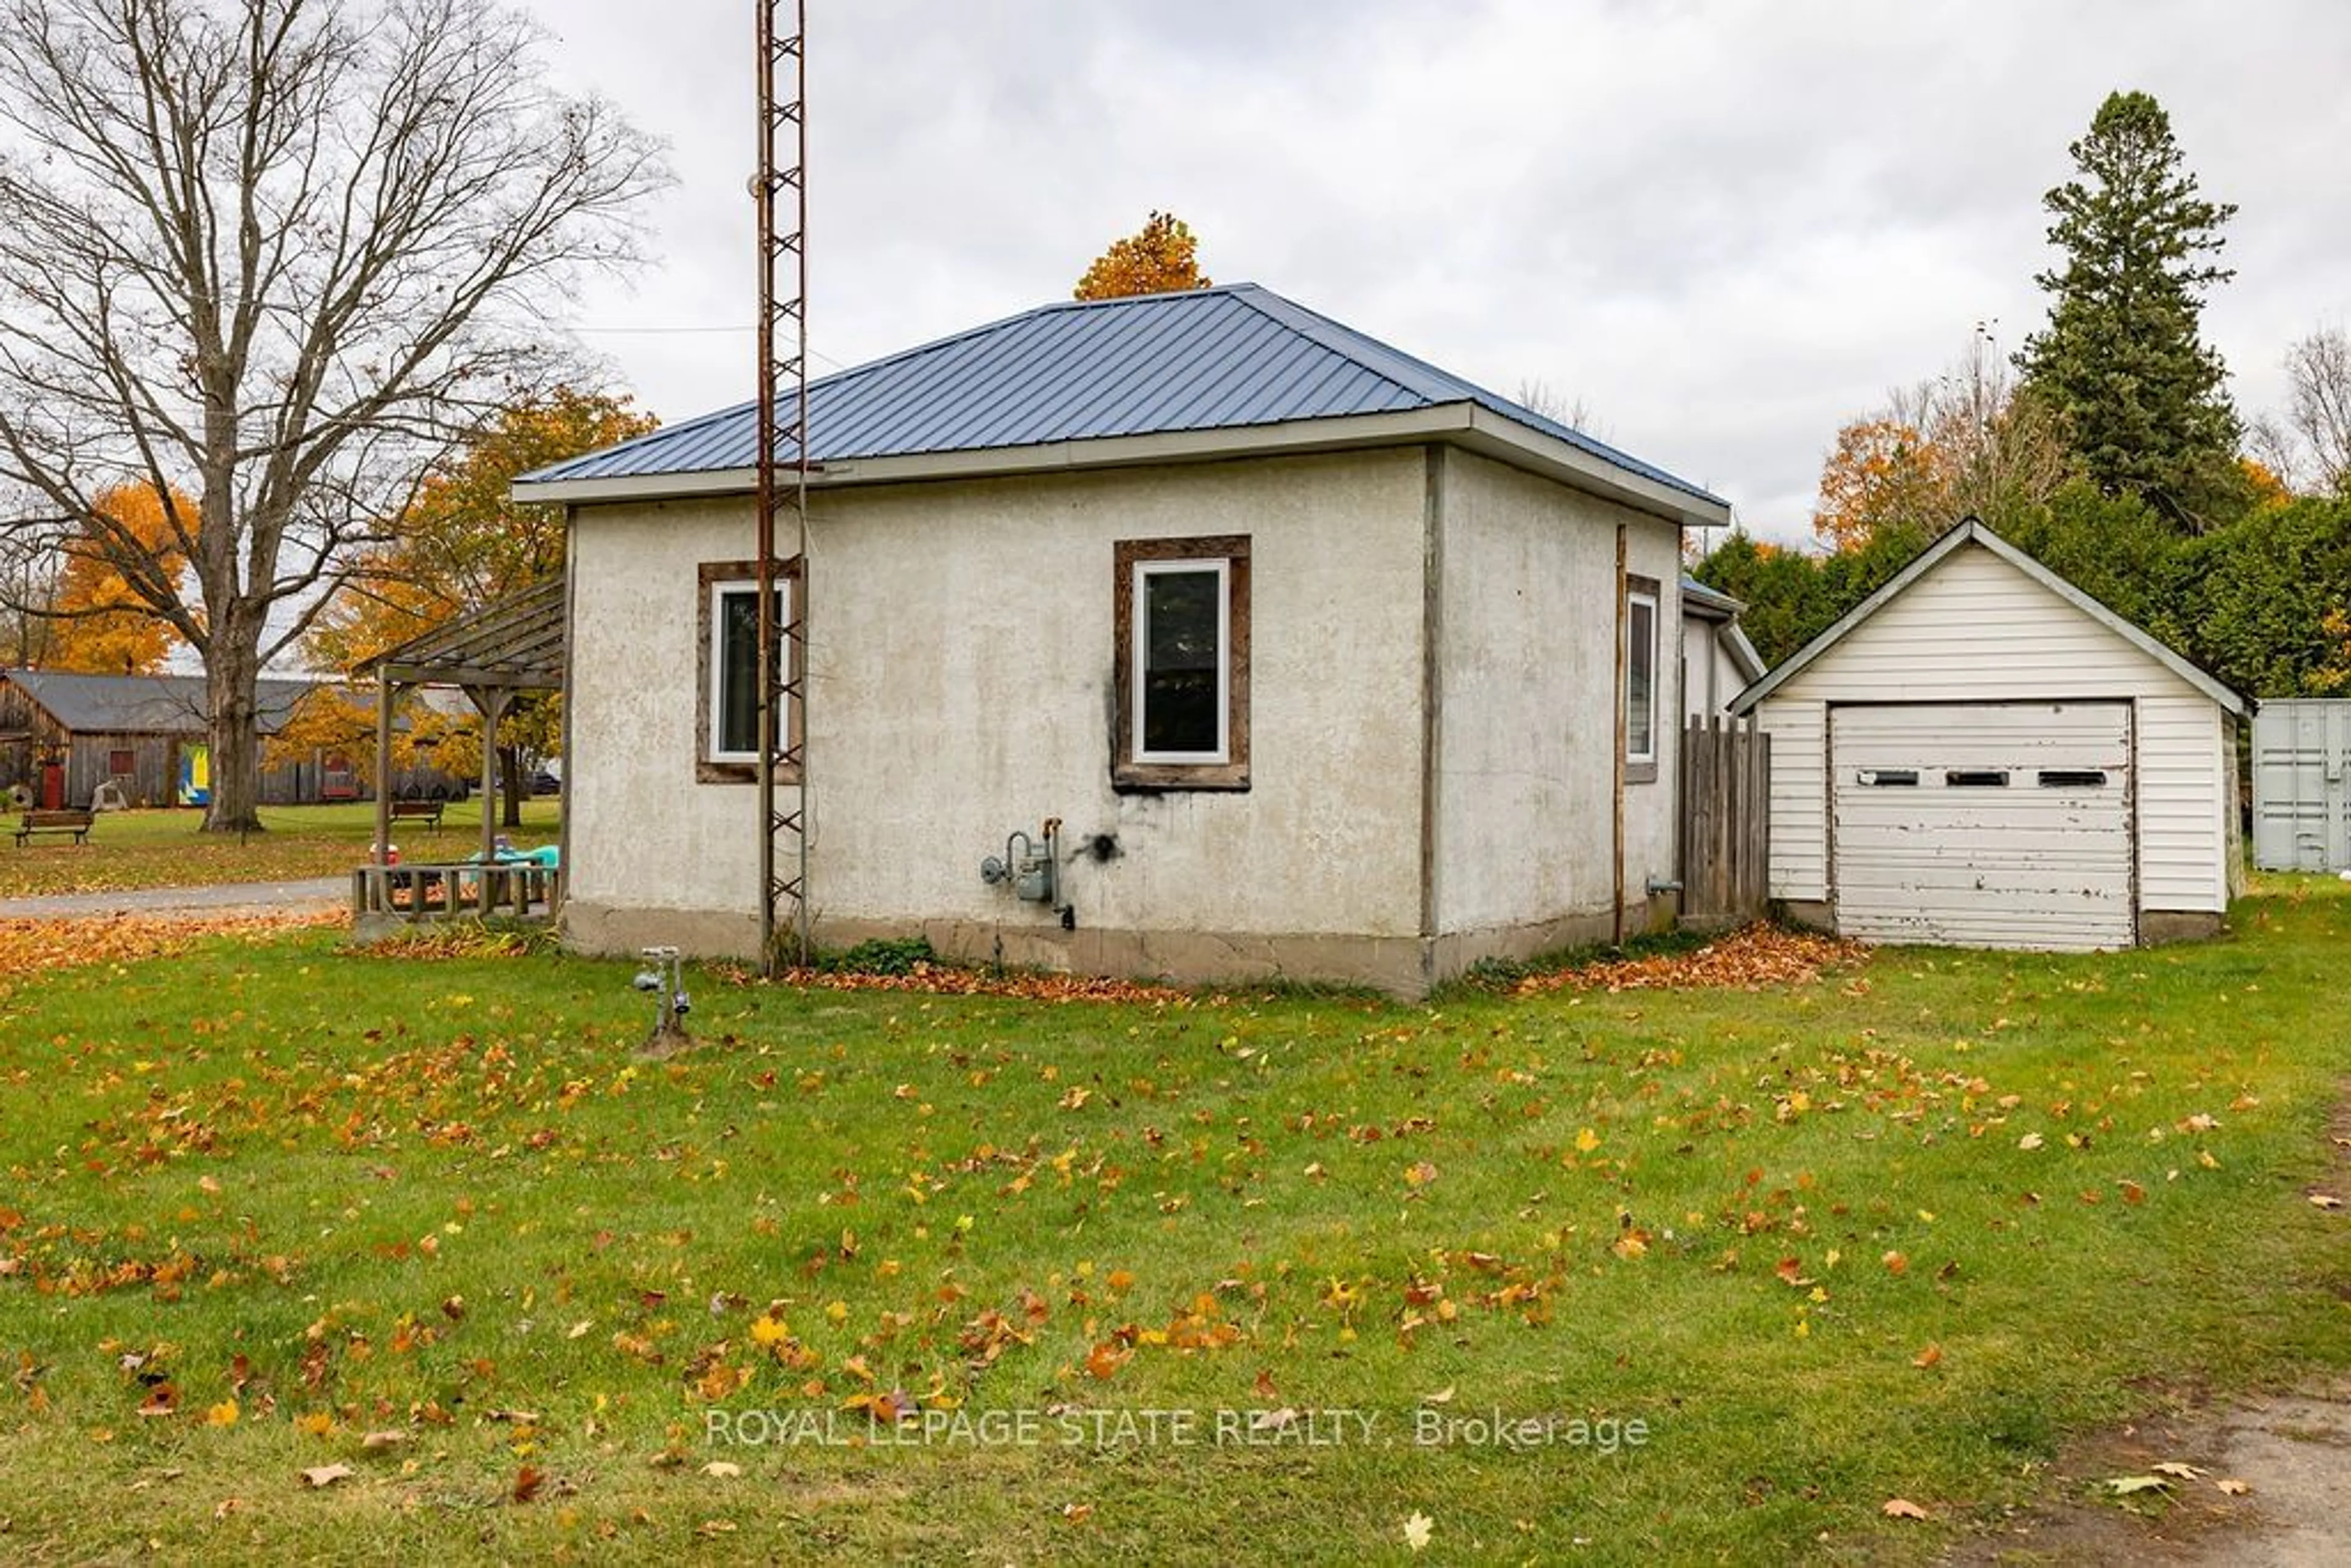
(1725,228)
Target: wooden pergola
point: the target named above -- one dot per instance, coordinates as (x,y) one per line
(510,646)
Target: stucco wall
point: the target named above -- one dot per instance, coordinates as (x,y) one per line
(1526,723)
(961,666)
(1976,629)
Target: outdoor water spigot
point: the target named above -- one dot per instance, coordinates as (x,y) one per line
(663,979)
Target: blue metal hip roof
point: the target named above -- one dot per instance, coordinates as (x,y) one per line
(1207,358)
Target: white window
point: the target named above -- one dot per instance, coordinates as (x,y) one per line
(728,723)
(1183,668)
(1641,673)
(1182,620)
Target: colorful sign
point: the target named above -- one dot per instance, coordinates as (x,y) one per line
(195,776)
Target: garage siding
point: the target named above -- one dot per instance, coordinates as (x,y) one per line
(2182,804)
(1800,809)
(1976,629)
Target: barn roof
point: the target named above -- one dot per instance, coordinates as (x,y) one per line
(1973,531)
(144,705)
(1229,359)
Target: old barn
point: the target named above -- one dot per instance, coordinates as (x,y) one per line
(63,734)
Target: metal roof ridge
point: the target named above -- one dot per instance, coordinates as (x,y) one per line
(988,328)
(1284,311)
(1453,388)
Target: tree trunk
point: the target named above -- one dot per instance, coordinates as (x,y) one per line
(510,775)
(232,665)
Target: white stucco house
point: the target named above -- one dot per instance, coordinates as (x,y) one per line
(1981,755)
(1317,655)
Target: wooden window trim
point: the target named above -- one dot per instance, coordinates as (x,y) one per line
(1128,775)
(709,575)
(1643,769)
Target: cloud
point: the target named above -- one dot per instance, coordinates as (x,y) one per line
(1727,228)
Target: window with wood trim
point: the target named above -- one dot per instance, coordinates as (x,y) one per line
(1181,614)
(726,708)
(1640,680)
(120,763)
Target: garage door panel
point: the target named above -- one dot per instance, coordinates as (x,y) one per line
(1973,744)
(2073,856)
(2018,882)
(1993,856)
(2048,935)
(1954,840)
(2049,823)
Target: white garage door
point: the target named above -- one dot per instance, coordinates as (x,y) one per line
(1984,824)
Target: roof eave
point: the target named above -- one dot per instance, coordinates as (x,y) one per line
(1743,652)
(1463,424)
(1497,435)
(1697,595)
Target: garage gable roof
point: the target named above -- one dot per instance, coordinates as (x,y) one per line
(1197,363)
(1973,531)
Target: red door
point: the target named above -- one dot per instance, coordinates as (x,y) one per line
(53,787)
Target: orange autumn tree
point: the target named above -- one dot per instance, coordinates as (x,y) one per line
(329,720)
(1968,442)
(2334,676)
(465,542)
(1160,259)
(2264,484)
(102,626)
(1883,471)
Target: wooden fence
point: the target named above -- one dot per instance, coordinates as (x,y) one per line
(1726,817)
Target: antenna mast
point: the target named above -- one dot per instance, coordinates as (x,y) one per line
(780,191)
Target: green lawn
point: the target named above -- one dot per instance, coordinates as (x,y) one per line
(167,849)
(1894,1234)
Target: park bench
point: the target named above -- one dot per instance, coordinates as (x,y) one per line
(75,822)
(427,812)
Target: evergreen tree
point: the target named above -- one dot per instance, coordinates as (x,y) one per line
(2141,400)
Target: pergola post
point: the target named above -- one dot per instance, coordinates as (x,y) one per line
(382,855)
(492,701)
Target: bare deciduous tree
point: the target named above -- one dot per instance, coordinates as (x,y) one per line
(2318,379)
(30,578)
(277,254)
(1574,410)
(1968,443)
(2270,443)
(2003,444)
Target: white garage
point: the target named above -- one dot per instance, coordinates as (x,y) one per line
(1980,755)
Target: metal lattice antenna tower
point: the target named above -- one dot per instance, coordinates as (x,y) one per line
(781,189)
